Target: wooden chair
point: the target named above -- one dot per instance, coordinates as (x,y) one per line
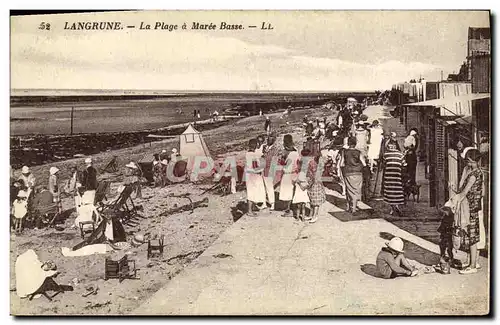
(85,230)
(156,249)
(121,269)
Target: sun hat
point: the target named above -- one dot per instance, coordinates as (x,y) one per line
(22,194)
(396,244)
(131,165)
(413,132)
(53,170)
(163,151)
(138,240)
(25,170)
(88,160)
(464,153)
(174,150)
(164,162)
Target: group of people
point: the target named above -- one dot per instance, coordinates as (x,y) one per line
(297,180)
(160,165)
(33,202)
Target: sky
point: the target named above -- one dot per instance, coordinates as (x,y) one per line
(305,50)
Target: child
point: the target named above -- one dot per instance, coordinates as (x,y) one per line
(316,191)
(19,210)
(391,261)
(445,243)
(300,196)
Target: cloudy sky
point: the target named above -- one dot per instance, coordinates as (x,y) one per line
(307,51)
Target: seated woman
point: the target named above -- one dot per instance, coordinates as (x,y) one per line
(391,261)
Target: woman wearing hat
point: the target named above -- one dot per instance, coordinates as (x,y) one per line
(392,179)
(471,189)
(376,138)
(391,261)
(290,171)
(410,146)
(28,178)
(256,192)
(352,162)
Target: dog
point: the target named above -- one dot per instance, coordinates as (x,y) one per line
(412,189)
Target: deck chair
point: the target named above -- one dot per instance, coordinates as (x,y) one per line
(121,206)
(101,191)
(111,166)
(121,269)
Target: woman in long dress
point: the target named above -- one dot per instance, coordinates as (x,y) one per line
(290,171)
(352,164)
(256,192)
(471,189)
(392,181)
(376,137)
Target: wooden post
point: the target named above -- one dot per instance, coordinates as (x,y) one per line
(72,109)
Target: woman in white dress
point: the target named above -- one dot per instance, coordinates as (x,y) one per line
(290,172)
(256,192)
(376,137)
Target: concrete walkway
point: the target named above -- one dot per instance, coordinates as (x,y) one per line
(270,265)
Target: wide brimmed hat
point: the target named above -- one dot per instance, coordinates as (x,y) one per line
(464,153)
(53,170)
(396,244)
(164,162)
(25,170)
(131,165)
(138,240)
(88,160)
(174,150)
(22,194)
(413,132)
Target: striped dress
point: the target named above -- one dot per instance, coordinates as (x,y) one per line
(392,181)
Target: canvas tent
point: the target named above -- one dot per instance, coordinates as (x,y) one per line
(192,145)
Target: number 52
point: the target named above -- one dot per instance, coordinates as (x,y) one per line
(44,26)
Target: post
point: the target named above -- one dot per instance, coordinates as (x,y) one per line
(72,109)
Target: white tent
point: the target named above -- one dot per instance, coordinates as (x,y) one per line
(192,147)
(192,144)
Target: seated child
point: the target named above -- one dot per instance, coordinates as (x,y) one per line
(391,261)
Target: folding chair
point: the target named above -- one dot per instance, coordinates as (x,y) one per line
(101,191)
(121,269)
(156,249)
(111,166)
(120,204)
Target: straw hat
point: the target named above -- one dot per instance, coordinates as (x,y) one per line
(464,153)
(88,160)
(396,244)
(413,132)
(25,170)
(164,162)
(22,194)
(138,240)
(174,150)
(53,170)
(131,165)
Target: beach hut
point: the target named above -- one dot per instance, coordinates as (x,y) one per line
(192,145)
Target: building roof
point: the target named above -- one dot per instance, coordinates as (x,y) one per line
(443,102)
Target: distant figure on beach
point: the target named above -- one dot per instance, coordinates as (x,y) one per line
(267,125)
(195,113)
(256,192)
